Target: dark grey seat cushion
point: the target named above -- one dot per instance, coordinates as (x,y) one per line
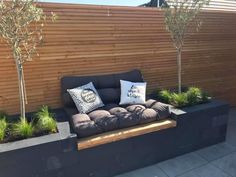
(111,116)
(159,107)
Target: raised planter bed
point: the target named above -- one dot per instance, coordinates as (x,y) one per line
(37,156)
(57,155)
(201,125)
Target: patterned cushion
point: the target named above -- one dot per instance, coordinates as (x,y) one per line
(132,92)
(86,98)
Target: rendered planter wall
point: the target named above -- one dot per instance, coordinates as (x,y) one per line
(56,155)
(197,127)
(61,158)
(37,156)
(200,125)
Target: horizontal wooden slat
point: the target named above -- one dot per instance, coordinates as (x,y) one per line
(125,133)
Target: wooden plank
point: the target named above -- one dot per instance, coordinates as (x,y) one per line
(125,133)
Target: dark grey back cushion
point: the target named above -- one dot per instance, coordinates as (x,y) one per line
(108,86)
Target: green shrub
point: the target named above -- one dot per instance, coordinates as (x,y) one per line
(23,128)
(45,120)
(3,127)
(192,96)
(165,96)
(179,100)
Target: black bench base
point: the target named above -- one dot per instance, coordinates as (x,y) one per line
(197,127)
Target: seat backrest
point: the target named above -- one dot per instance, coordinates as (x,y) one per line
(108,86)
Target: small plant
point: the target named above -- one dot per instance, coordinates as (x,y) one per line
(46,122)
(191,97)
(43,123)
(3,127)
(23,128)
(165,96)
(194,95)
(179,100)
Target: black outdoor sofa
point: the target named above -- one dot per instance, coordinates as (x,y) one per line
(112,116)
(121,139)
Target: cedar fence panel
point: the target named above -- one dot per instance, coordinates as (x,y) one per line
(91,40)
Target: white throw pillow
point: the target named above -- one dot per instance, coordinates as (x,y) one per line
(86,98)
(132,92)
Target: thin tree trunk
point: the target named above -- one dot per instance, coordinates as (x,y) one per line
(179,50)
(23,79)
(20,75)
(21,89)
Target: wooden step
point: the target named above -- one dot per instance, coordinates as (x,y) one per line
(124,133)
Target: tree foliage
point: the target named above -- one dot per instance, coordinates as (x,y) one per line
(181,18)
(21,24)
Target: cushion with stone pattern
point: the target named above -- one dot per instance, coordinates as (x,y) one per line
(86,98)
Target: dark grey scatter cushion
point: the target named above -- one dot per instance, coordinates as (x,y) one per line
(163,110)
(110,106)
(68,101)
(132,76)
(71,111)
(86,98)
(109,95)
(105,81)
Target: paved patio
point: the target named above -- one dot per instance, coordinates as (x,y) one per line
(215,161)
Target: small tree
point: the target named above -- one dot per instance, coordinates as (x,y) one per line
(181,18)
(21,23)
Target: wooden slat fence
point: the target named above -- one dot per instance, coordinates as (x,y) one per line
(88,40)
